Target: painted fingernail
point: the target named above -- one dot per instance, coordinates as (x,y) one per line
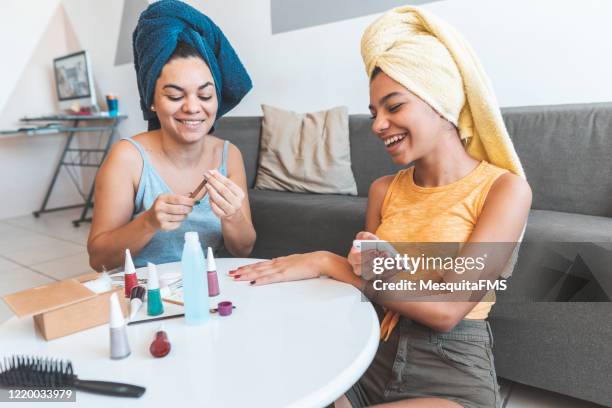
(237,276)
(252,282)
(232,272)
(197,202)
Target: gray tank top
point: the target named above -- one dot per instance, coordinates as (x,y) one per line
(167,246)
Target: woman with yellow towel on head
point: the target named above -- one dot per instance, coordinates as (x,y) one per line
(432,105)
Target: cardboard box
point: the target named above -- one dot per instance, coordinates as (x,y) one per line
(64,307)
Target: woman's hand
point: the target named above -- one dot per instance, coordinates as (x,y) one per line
(225,196)
(283,269)
(357,257)
(168,211)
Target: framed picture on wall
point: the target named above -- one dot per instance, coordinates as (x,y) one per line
(73,79)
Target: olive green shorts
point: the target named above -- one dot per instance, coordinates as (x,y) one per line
(418,362)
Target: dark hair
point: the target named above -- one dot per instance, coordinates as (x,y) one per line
(376,71)
(184,50)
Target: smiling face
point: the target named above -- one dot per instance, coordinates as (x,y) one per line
(185,99)
(409,127)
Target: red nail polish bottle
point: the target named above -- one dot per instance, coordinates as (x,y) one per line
(160,346)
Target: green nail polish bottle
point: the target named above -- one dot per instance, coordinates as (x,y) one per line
(154,302)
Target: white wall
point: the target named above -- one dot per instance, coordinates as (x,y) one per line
(536,52)
(27,163)
(539,52)
(37,31)
(21,26)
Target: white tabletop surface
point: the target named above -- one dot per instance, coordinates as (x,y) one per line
(294,344)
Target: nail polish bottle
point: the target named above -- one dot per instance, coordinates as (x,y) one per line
(160,347)
(154,302)
(136,299)
(211,272)
(129,274)
(119,345)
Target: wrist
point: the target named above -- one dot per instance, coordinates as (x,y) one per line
(321,264)
(148,222)
(235,218)
(354,280)
(367,288)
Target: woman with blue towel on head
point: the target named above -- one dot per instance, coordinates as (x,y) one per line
(188,76)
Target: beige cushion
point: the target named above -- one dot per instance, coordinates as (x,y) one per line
(305,152)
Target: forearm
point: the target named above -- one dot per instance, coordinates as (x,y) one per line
(337,267)
(107,249)
(238,235)
(439,315)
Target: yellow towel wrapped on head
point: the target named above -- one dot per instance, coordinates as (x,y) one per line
(432,60)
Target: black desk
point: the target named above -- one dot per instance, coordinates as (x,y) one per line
(75,156)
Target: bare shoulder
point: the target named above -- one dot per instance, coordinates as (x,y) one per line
(234,156)
(379,187)
(505,211)
(233,152)
(148,140)
(216,143)
(510,187)
(510,182)
(123,158)
(125,154)
(376,197)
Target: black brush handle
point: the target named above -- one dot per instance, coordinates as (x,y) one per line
(110,388)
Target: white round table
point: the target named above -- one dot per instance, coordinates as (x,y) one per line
(294,344)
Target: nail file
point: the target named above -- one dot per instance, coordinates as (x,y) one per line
(198,188)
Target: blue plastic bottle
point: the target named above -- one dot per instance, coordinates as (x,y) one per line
(195,284)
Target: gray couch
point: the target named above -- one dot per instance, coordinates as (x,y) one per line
(567,154)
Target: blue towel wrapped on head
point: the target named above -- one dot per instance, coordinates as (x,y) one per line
(160,28)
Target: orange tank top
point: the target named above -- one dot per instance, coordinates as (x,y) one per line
(448,213)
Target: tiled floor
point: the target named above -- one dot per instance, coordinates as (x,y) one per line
(35,251)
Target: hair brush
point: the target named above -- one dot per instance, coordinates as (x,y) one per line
(38,372)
